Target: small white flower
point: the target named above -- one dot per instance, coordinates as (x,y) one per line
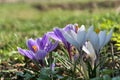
(88,48)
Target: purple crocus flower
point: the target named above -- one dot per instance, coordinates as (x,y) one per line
(58,35)
(38,49)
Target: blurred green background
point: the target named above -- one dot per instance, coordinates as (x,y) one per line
(23,19)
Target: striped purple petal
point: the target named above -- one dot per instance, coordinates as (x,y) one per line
(32,45)
(42,42)
(27,53)
(40,55)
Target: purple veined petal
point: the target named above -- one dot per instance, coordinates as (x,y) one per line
(81,38)
(53,46)
(39,43)
(69,27)
(30,55)
(21,51)
(59,34)
(94,40)
(32,45)
(82,28)
(108,36)
(90,30)
(27,53)
(45,40)
(70,36)
(53,36)
(102,38)
(42,42)
(50,46)
(40,55)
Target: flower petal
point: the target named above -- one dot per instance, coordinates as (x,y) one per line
(84,48)
(21,51)
(53,46)
(40,55)
(42,42)
(95,41)
(88,48)
(53,36)
(27,53)
(82,28)
(102,38)
(81,38)
(108,36)
(32,45)
(59,34)
(69,27)
(71,37)
(90,30)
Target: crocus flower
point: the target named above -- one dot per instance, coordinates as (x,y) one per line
(98,40)
(38,49)
(88,48)
(76,39)
(58,35)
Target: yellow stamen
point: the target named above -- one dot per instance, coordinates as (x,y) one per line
(97,30)
(35,48)
(76,28)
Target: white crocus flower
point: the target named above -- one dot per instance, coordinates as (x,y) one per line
(98,40)
(88,48)
(76,39)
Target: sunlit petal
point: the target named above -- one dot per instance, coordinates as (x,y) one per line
(90,30)
(82,28)
(81,37)
(102,38)
(71,37)
(108,36)
(94,40)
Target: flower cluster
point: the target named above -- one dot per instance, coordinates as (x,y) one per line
(89,41)
(38,49)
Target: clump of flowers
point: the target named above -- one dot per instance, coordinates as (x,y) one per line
(38,49)
(87,43)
